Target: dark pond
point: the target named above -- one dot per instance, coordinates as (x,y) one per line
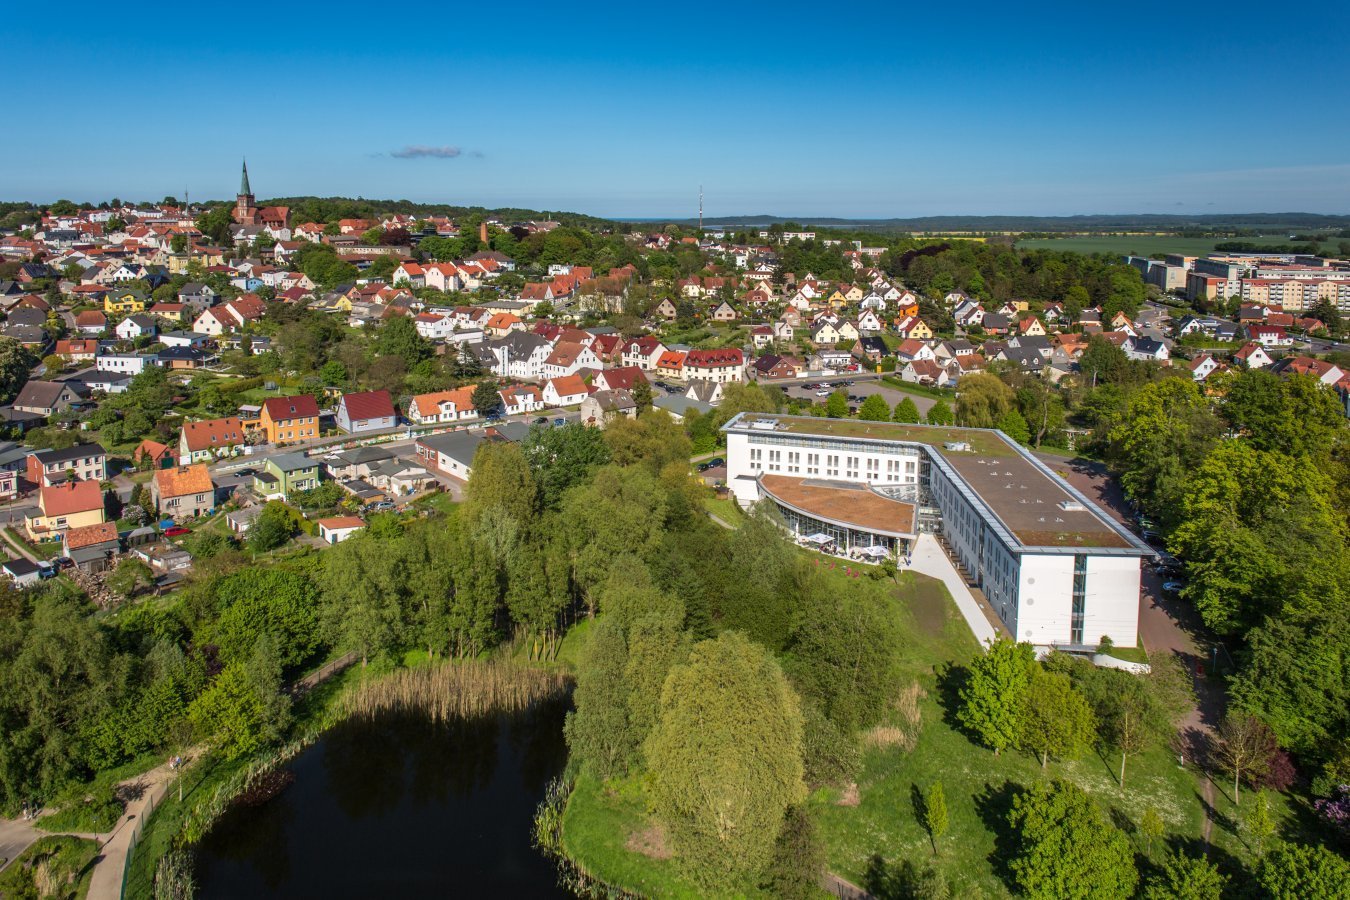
(398,808)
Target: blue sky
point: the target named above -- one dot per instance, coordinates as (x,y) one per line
(862,109)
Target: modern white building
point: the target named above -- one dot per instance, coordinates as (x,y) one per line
(1055,568)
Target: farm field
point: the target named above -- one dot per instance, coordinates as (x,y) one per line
(1140,245)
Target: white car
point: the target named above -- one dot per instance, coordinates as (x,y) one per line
(822,393)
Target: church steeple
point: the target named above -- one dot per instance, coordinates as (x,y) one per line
(243,185)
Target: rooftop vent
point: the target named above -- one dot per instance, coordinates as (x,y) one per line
(1070,506)
(957,446)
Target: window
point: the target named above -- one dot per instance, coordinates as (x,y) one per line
(1079,599)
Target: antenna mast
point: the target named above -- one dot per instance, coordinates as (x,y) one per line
(700,211)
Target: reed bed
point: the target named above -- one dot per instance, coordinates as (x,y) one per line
(455,690)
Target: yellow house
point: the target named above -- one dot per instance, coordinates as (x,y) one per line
(838,299)
(920,331)
(124,302)
(70,504)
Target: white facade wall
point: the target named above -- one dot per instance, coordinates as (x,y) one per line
(1112,607)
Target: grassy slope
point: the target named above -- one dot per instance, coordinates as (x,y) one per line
(601,819)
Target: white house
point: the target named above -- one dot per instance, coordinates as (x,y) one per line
(568,390)
(133,327)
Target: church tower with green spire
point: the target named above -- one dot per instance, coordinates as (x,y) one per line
(245,210)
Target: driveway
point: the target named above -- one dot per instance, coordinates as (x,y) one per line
(1165,621)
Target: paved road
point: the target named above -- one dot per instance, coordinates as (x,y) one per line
(1165,621)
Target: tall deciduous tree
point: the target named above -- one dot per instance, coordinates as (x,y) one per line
(1056,719)
(726,759)
(935,813)
(906,411)
(874,409)
(940,414)
(1300,872)
(1067,848)
(1185,877)
(598,732)
(1245,746)
(993,697)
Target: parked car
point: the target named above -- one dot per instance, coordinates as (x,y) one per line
(703,467)
(46,570)
(716,461)
(63,562)
(1173,587)
(822,393)
(560,421)
(380,506)
(177,531)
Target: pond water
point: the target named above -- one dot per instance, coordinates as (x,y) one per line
(398,807)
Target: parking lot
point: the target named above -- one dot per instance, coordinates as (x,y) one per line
(858,392)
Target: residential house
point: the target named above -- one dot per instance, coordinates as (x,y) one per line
(367,411)
(666,310)
(154,454)
(927,372)
(567,358)
(1031,326)
(568,390)
(284,474)
(443,406)
(183,492)
(124,301)
(1253,356)
(671,365)
(1203,366)
(602,406)
(913,349)
(209,439)
(719,366)
(450,453)
(133,327)
(86,462)
(69,504)
(187,358)
(1268,335)
(46,398)
(92,547)
(773,366)
(1146,349)
(287,419)
(913,327)
(872,349)
(339,528)
(619,378)
(725,312)
(91,322)
(521,398)
(643,352)
(77,350)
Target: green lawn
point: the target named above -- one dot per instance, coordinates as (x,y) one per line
(40,549)
(608,832)
(1142,244)
(921,390)
(725,508)
(68,859)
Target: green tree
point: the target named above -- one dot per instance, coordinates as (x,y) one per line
(1055,719)
(1184,877)
(836,405)
(16,361)
(874,409)
(907,412)
(363,589)
(982,400)
(642,395)
(231,714)
(398,337)
(599,734)
(273,527)
(725,759)
(1152,827)
(1067,848)
(129,577)
(1245,746)
(798,859)
(941,414)
(266,601)
(993,697)
(1259,823)
(935,813)
(1014,426)
(501,480)
(1167,431)
(563,457)
(485,398)
(1300,872)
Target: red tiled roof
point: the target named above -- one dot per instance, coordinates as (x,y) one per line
(89,535)
(298,406)
(213,433)
(368,405)
(184,480)
(714,358)
(70,497)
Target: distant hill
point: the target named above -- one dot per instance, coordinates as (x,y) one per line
(1123,221)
